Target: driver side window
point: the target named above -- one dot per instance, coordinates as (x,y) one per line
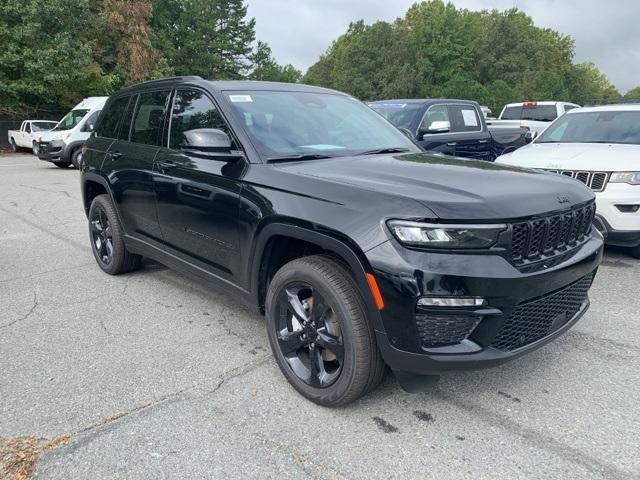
(192,110)
(436,113)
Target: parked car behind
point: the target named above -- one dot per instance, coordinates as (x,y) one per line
(28,134)
(360,248)
(451,127)
(62,145)
(535,116)
(599,147)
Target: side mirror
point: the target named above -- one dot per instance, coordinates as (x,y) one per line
(208,142)
(88,127)
(530,136)
(439,126)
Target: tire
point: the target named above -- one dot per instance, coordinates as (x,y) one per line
(350,361)
(635,251)
(107,239)
(62,164)
(14,147)
(76,158)
(34,148)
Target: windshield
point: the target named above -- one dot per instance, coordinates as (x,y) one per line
(42,126)
(289,124)
(595,127)
(70,120)
(400,114)
(541,113)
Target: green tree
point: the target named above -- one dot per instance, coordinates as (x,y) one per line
(633,94)
(210,38)
(265,67)
(587,85)
(46,58)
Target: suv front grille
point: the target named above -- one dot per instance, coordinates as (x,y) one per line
(548,236)
(535,319)
(596,181)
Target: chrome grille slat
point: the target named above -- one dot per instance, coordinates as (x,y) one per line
(596,181)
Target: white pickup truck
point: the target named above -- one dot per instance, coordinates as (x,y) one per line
(29,134)
(534,116)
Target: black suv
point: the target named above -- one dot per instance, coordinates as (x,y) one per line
(361,249)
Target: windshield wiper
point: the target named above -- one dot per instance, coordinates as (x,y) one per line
(303,156)
(384,150)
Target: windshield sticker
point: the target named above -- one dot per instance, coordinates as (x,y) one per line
(240,98)
(470,119)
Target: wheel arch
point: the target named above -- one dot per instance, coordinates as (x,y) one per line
(345,250)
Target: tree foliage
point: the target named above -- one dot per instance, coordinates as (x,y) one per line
(59,51)
(633,94)
(437,50)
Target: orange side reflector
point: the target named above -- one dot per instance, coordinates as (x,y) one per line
(375,291)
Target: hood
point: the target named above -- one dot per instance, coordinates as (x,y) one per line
(49,136)
(452,188)
(608,157)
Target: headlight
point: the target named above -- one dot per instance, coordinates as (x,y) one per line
(433,235)
(632,178)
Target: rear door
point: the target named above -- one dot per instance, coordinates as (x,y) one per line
(472,139)
(198,197)
(130,159)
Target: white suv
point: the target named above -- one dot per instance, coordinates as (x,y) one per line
(599,147)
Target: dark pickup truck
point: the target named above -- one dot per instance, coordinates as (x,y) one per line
(451,127)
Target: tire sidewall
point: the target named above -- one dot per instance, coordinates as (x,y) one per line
(103,201)
(14,146)
(34,148)
(302,272)
(76,158)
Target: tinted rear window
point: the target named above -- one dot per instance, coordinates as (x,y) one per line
(108,125)
(147,123)
(541,113)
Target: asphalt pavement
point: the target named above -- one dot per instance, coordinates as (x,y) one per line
(153,375)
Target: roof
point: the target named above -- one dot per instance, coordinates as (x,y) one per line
(421,100)
(621,107)
(544,102)
(46,121)
(229,85)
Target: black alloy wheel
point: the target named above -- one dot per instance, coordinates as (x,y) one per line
(309,335)
(102,236)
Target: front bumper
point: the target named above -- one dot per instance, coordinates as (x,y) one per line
(621,238)
(405,275)
(616,217)
(53,151)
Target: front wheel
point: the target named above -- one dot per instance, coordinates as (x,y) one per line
(62,164)
(76,158)
(319,332)
(34,148)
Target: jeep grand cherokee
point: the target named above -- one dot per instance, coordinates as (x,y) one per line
(362,250)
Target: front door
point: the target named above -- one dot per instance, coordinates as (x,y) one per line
(198,197)
(431,140)
(472,140)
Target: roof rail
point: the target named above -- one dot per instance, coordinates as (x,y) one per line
(182,78)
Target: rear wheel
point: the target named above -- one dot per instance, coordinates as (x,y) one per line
(107,239)
(319,333)
(14,146)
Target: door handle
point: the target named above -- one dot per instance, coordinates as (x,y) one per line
(113,156)
(167,165)
(451,144)
(483,141)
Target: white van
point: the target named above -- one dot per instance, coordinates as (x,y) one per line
(62,145)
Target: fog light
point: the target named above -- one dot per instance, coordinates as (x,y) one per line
(451,302)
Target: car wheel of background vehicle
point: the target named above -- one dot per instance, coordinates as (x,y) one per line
(14,147)
(62,164)
(107,240)
(319,332)
(35,148)
(76,158)
(635,251)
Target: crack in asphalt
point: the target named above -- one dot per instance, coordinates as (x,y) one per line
(537,438)
(31,310)
(66,240)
